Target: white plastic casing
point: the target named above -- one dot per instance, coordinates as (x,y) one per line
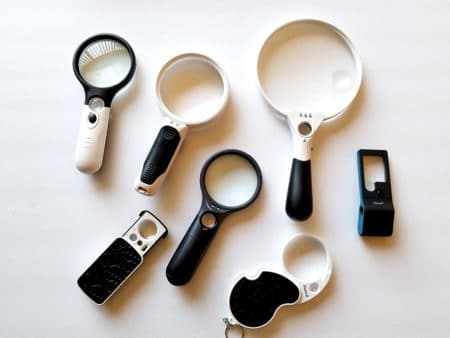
(308,290)
(91,140)
(302,142)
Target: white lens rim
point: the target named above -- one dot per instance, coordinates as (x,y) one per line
(211,64)
(327,116)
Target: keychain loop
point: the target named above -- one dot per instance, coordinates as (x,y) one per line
(230,326)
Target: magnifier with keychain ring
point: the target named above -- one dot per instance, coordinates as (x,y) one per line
(254,300)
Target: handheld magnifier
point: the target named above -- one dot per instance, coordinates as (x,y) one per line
(191,90)
(103,64)
(230,181)
(309,72)
(255,299)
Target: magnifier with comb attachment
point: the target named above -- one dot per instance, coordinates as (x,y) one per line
(104,64)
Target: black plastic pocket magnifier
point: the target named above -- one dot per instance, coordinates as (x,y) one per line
(103,64)
(230,181)
(192,91)
(309,72)
(254,300)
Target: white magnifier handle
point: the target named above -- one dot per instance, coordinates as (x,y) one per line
(161,156)
(299,201)
(91,139)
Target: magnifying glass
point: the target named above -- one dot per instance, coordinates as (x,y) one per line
(230,181)
(309,72)
(255,300)
(103,64)
(192,91)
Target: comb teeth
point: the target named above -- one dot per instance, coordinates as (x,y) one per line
(97,49)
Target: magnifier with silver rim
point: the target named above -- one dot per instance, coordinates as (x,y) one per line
(230,181)
(192,91)
(254,300)
(104,64)
(309,72)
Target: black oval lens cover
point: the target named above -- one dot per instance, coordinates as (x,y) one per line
(254,302)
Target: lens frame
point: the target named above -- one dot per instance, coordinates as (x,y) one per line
(207,62)
(105,93)
(330,116)
(215,206)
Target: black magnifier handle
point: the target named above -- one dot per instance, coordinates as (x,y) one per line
(299,202)
(192,248)
(159,159)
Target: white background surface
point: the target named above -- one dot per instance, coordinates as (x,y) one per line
(55,221)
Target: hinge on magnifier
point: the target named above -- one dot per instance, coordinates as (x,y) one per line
(376,210)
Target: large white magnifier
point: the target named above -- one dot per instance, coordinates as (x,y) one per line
(192,91)
(309,72)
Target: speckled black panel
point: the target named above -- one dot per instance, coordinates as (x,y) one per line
(254,302)
(113,266)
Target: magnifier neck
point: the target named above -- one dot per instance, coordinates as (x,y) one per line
(105,93)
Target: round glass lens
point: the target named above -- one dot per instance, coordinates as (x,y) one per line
(104,63)
(231,180)
(305,258)
(192,89)
(306,66)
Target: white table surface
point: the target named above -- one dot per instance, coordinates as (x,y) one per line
(55,220)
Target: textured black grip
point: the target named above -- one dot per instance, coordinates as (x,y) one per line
(254,302)
(189,253)
(299,202)
(159,157)
(109,270)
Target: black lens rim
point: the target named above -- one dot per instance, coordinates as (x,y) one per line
(212,202)
(105,93)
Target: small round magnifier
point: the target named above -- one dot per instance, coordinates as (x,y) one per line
(230,181)
(103,64)
(192,91)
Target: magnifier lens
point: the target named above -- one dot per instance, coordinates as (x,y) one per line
(305,258)
(104,63)
(231,180)
(308,67)
(192,89)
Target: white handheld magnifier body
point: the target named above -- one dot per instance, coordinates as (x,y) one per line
(192,91)
(254,300)
(103,64)
(309,72)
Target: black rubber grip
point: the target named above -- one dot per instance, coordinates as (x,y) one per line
(254,302)
(299,202)
(159,157)
(190,252)
(109,270)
